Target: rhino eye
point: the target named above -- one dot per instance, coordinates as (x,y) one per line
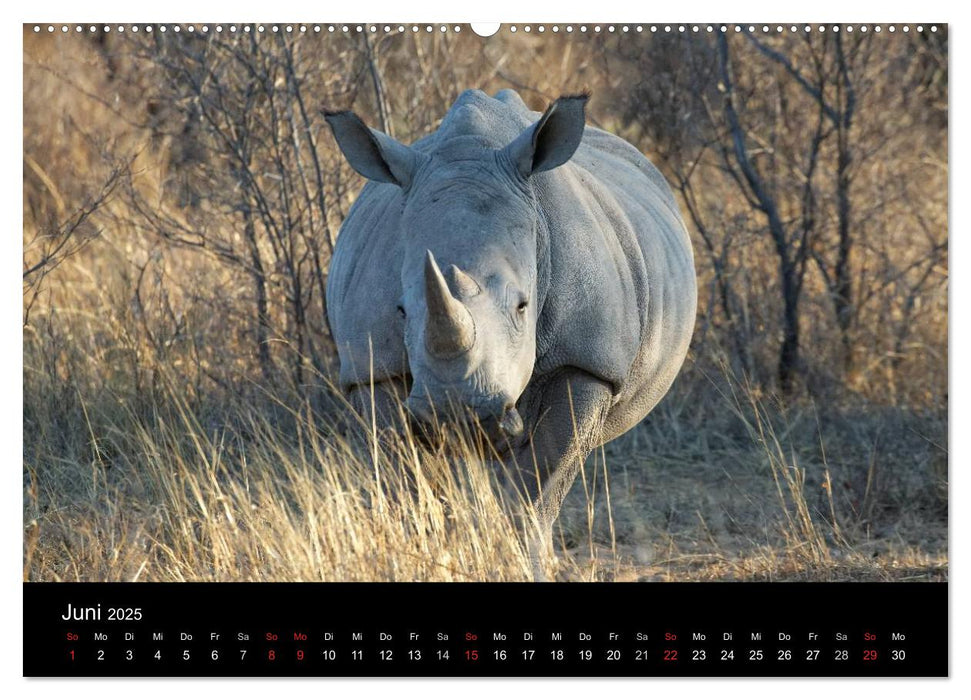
(521,308)
(401,311)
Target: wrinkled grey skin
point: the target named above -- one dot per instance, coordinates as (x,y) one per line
(527,268)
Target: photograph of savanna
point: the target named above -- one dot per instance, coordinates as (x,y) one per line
(405,303)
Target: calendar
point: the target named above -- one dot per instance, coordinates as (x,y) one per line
(436,349)
(330,630)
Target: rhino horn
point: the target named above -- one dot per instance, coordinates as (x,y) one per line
(461,282)
(450,330)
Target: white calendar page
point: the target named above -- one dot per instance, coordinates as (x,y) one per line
(608,302)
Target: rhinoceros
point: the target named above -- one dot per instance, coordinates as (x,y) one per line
(526,267)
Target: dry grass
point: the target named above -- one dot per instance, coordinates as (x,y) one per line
(287,500)
(732,489)
(289,492)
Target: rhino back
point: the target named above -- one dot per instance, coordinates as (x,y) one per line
(621,294)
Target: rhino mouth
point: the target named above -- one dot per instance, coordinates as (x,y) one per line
(504,428)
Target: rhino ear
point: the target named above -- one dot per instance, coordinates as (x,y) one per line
(552,140)
(374,155)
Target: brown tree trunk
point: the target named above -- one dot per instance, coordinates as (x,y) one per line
(789,352)
(843,281)
(259,289)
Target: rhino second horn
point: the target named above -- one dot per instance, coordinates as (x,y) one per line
(450,330)
(461,282)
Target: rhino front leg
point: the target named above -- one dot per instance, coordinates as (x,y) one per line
(567,414)
(381,401)
(379,406)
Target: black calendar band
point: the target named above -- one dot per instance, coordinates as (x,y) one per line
(471,629)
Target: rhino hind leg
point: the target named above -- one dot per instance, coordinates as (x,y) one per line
(567,415)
